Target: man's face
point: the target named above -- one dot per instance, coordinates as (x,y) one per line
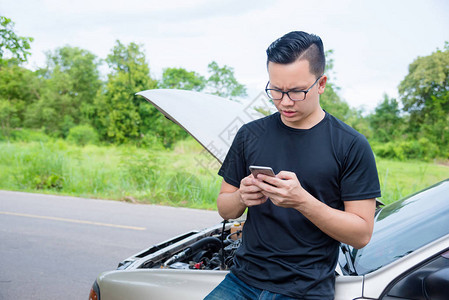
(296,76)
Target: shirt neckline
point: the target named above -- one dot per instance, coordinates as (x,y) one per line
(298,130)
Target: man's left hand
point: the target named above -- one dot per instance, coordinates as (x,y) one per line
(284,190)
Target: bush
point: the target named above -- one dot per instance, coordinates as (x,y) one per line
(82,135)
(150,141)
(389,150)
(25,135)
(140,170)
(421,149)
(37,166)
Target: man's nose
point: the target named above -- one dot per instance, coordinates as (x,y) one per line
(286,101)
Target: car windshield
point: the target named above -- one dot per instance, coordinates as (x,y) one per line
(405,226)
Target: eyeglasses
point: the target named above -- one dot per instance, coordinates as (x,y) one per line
(294,95)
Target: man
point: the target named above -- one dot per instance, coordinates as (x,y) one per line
(323,194)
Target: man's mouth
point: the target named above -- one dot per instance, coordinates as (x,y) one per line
(288,113)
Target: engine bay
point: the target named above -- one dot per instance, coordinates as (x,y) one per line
(209,249)
(210,253)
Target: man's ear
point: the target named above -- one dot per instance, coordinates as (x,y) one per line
(322,84)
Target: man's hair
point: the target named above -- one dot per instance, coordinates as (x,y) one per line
(298,45)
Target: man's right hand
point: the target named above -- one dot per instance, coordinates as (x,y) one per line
(250,194)
(232,201)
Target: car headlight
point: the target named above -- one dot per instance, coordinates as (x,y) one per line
(94,292)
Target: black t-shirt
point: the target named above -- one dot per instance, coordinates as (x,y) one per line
(282,251)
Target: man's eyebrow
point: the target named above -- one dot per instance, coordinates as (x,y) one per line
(292,89)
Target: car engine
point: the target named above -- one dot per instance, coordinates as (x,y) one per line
(210,253)
(209,249)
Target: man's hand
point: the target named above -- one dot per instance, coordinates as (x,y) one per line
(251,194)
(232,201)
(283,190)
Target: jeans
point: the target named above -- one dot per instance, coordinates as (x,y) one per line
(232,288)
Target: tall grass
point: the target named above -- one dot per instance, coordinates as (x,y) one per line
(110,172)
(399,179)
(185,176)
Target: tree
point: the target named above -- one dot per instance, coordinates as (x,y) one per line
(222,82)
(71,83)
(121,115)
(179,78)
(8,116)
(386,121)
(424,93)
(332,103)
(330,100)
(13,48)
(19,88)
(426,81)
(436,124)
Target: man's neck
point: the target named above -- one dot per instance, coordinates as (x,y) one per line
(307,122)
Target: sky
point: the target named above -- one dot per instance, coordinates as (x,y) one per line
(373,42)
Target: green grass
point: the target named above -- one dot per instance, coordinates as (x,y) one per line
(185,176)
(399,179)
(176,178)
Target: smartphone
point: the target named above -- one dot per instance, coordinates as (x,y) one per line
(255,170)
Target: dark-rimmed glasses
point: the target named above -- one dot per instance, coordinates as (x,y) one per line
(294,95)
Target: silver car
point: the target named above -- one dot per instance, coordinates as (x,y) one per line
(407,257)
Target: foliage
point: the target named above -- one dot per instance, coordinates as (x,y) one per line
(71,82)
(425,95)
(83,135)
(428,76)
(13,48)
(332,103)
(39,167)
(26,135)
(68,92)
(386,122)
(360,123)
(8,116)
(121,116)
(330,100)
(19,88)
(421,149)
(109,172)
(222,82)
(180,78)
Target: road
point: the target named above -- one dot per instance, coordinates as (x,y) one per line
(54,247)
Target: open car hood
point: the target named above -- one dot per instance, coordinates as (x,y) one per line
(213,121)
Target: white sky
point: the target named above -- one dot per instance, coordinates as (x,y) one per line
(373,41)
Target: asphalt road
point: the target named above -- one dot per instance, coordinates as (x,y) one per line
(54,247)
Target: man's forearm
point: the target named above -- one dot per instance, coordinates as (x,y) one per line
(229,205)
(344,226)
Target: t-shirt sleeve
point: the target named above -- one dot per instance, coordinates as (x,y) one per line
(360,178)
(234,168)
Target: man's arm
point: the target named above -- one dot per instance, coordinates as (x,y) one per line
(233,201)
(228,202)
(353,226)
